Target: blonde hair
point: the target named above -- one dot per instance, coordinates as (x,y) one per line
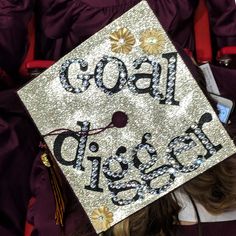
(216,188)
(135,224)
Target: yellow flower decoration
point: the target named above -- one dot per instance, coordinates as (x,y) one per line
(122,41)
(152,41)
(44,159)
(102,218)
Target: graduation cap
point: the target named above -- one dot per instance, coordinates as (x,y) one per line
(124,118)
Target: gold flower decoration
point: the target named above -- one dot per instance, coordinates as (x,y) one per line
(122,41)
(102,218)
(44,159)
(152,41)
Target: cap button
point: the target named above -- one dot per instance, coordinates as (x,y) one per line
(119,119)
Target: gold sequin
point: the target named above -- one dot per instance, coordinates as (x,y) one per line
(122,41)
(102,218)
(45,160)
(152,41)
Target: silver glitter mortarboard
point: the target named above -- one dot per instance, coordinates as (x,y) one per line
(144,126)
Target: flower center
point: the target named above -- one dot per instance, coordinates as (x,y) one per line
(101,218)
(151,40)
(121,41)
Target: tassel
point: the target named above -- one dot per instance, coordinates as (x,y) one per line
(54,177)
